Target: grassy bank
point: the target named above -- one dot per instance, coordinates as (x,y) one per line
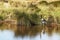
(31,14)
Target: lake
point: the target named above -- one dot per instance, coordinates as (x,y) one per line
(42,34)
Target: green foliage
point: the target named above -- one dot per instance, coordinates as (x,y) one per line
(25,18)
(18,14)
(35,18)
(1,17)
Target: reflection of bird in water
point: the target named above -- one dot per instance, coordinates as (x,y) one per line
(43,31)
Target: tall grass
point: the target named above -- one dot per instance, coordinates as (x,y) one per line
(26,19)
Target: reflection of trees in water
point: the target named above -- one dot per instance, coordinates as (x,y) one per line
(57,29)
(50,31)
(23,30)
(33,30)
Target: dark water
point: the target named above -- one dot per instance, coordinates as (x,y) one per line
(29,33)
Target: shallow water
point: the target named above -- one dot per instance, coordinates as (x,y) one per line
(13,32)
(10,35)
